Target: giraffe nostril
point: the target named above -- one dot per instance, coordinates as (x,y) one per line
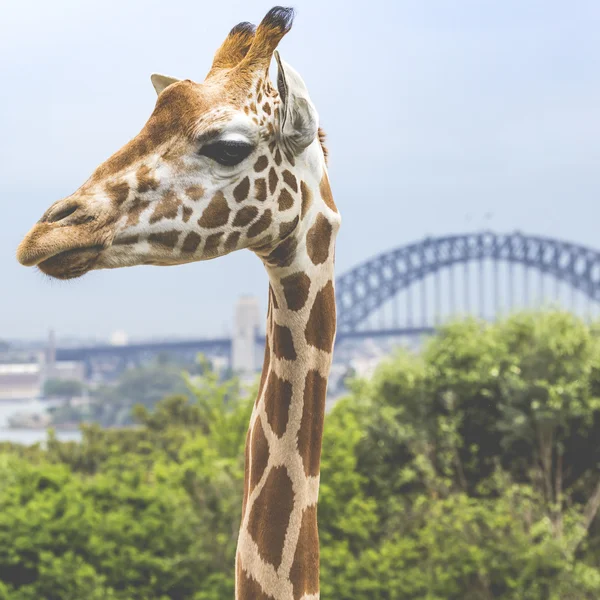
(62,213)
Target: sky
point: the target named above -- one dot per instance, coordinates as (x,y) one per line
(442,117)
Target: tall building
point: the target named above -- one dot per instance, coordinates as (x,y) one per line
(246,327)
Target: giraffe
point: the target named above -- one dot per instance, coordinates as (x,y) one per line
(227,164)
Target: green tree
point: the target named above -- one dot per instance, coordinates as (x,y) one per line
(63,388)
(482,455)
(111,405)
(468,471)
(136,513)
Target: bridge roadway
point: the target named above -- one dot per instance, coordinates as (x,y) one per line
(367,287)
(213,345)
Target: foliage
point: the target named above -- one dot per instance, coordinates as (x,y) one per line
(483,455)
(468,471)
(111,405)
(62,388)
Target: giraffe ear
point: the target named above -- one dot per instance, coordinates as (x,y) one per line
(299,118)
(160,82)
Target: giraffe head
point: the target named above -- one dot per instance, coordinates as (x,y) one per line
(219,166)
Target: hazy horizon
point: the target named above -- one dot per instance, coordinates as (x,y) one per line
(440,119)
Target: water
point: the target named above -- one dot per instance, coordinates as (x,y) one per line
(28,436)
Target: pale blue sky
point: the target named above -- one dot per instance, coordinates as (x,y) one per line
(437,114)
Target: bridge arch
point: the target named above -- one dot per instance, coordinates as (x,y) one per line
(365,288)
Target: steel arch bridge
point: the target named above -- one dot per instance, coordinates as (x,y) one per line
(364,289)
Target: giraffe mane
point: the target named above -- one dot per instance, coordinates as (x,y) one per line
(322,141)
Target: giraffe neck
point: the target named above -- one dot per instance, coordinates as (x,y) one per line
(278,546)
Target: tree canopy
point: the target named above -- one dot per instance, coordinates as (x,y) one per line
(63,388)
(467,471)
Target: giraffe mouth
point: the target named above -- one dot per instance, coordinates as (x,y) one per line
(63,252)
(71,264)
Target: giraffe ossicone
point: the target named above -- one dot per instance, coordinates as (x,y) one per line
(233,163)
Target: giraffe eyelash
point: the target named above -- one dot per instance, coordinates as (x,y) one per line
(227,152)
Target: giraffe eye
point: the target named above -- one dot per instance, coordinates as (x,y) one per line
(227,153)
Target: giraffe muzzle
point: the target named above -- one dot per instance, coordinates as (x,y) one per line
(71,263)
(62,247)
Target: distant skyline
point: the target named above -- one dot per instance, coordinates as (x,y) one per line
(441,118)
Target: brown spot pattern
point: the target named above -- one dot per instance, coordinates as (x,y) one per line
(326,194)
(263,375)
(273,180)
(310,433)
(118,192)
(191,242)
(259,455)
(264,246)
(195,192)
(137,208)
(212,242)
(295,290)
(260,189)
(241,190)
(284,254)
(287,227)
(318,239)
(306,198)
(304,573)
(267,108)
(273,297)
(268,520)
(283,343)
(245,215)
(278,158)
(248,588)
(285,200)
(290,179)
(232,240)
(166,208)
(187,213)
(127,240)
(261,163)
(278,399)
(320,329)
(216,213)
(246,473)
(260,225)
(145,179)
(165,239)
